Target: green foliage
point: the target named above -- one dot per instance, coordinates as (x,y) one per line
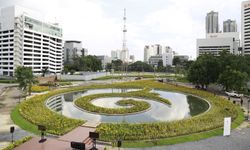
(85,102)
(204,70)
(35,111)
(63,83)
(45,71)
(141,67)
(38,89)
(232,71)
(84,63)
(233,79)
(17,143)
(210,120)
(25,77)
(137,106)
(7,81)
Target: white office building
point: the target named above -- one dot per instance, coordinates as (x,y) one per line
(245,27)
(214,43)
(163,53)
(28,41)
(152,50)
(73,49)
(156,52)
(105,60)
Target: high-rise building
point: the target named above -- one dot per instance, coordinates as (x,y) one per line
(73,49)
(152,50)
(28,41)
(212,22)
(115,54)
(154,53)
(229,26)
(105,60)
(245,27)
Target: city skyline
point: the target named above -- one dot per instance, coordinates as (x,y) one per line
(148,22)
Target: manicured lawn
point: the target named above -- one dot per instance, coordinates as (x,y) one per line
(21,122)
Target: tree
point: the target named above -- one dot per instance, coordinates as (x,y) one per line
(117,65)
(45,71)
(176,61)
(204,70)
(232,79)
(84,63)
(140,67)
(25,78)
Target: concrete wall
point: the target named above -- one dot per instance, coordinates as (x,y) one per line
(84,76)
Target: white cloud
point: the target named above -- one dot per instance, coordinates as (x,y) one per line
(98,24)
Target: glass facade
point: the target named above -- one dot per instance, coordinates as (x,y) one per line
(39,26)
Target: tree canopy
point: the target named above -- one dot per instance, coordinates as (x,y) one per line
(25,78)
(84,63)
(231,71)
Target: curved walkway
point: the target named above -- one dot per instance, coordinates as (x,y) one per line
(9,97)
(238,140)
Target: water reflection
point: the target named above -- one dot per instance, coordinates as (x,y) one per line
(183,106)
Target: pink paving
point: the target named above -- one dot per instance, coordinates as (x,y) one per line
(79,134)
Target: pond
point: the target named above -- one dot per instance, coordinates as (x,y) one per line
(182,106)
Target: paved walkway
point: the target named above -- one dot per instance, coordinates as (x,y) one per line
(9,98)
(79,134)
(239,140)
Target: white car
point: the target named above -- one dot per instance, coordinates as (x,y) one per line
(233,94)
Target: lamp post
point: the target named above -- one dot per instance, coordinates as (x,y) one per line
(248,111)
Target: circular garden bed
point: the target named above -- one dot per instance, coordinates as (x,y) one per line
(205,125)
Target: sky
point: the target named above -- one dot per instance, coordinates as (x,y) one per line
(98,23)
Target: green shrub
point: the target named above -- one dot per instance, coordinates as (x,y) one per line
(136,106)
(17,143)
(38,89)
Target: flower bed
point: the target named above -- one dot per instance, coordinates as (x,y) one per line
(38,89)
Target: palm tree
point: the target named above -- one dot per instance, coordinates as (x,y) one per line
(45,71)
(25,78)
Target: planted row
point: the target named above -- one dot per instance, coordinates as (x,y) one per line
(85,102)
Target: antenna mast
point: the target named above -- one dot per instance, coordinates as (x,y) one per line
(124,44)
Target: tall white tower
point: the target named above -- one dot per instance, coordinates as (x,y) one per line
(245,27)
(124,52)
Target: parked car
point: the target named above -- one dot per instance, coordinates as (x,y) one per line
(234,94)
(138,78)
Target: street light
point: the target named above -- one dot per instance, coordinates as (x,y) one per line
(248,118)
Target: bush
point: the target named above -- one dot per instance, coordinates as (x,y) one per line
(38,89)
(136,106)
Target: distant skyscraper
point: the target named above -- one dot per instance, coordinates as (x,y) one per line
(245,27)
(229,26)
(115,54)
(212,22)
